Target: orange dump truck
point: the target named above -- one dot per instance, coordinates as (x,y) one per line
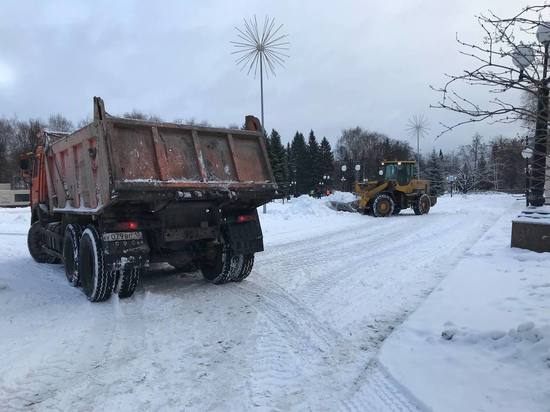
(118,194)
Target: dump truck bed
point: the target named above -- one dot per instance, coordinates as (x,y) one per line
(115,159)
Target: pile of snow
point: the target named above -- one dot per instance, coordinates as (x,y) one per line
(15,220)
(305,205)
(288,220)
(526,343)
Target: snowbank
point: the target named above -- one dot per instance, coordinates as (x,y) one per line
(305,217)
(481,341)
(15,220)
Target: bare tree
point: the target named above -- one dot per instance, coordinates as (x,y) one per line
(139,115)
(59,123)
(369,148)
(507,59)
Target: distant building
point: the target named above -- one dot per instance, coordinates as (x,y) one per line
(13,198)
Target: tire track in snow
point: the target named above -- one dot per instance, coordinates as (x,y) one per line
(311,293)
(382,393)
(375,389)
(293,347)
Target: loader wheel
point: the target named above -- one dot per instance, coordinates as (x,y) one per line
(246,268)
(35,243)
(97,282)
(422,205)
(127,282)
(383,206)
(71,246)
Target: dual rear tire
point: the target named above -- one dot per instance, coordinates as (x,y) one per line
(226,266)
(83,255)
(97,282)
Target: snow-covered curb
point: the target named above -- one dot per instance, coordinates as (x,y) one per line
(481,341)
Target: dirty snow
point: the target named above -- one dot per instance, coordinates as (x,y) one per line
(307,331)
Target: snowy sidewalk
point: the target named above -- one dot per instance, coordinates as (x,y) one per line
(481,341)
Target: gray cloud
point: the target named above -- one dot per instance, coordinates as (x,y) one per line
(366,63)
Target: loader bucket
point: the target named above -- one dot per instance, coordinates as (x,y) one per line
(343,206)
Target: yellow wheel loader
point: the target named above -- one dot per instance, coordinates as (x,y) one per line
(397,189)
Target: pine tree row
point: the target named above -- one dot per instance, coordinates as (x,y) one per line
(302,166)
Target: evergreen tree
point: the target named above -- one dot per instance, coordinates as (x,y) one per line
(434,174)
(327,158)
(483,178)
(299,151)
(291,164)
(314,169)
(278,158)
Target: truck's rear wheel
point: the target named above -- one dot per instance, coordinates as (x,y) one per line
(71,246)
(127,282)
(222,268)
(36,243)
(422,205)
(246,268)
(383,205)
(97,282)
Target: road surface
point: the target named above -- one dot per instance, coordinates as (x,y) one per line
(302,332)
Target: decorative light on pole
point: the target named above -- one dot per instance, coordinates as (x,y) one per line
(523,57)
(260,49)
(527,153)
(418,126)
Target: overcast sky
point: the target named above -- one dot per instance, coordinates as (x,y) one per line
(352,63)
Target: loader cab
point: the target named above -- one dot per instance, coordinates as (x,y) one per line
(401,171)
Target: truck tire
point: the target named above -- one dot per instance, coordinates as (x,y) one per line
(35,243)
(97,282)
(246,268)
(422,205)
(383,205)
(223,267)
(127,282)
(71,248)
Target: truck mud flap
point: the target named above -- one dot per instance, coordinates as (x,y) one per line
(124,251)
(245,238)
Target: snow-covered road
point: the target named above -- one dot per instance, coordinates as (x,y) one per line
(301,333)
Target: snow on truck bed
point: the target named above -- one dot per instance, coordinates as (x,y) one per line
(341,312)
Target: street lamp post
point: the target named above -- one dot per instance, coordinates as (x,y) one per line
(344,168)
(527,153)
(523,57)
(357,169)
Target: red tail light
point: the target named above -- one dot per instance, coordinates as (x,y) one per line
(129,225)
(245,218)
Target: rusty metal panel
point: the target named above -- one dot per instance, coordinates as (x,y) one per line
(217,156)
(180,154)
(76,172)
(86,168)
(163,154)
(248,156)
(134,153)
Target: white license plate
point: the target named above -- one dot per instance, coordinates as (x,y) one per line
(111,237)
